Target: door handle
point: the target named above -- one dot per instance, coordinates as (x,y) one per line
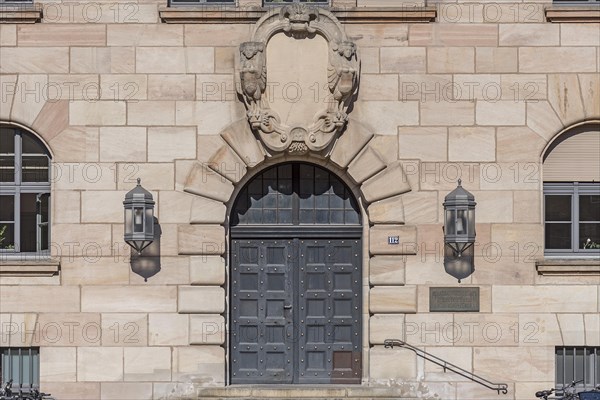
(288,307)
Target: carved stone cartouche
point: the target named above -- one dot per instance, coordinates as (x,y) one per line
(299,21)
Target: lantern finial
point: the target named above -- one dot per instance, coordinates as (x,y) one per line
(459,181)
(139,181)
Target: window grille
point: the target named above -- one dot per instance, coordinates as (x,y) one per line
(22,365)
(578,364)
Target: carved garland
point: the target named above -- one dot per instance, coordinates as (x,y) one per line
(299,21)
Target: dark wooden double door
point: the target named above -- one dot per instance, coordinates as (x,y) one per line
(295,311)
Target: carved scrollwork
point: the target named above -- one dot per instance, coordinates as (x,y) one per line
(298,18)
(299,21)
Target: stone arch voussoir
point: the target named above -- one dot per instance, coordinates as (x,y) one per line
(215,178)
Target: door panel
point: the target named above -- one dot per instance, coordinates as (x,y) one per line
(296,311)
(330,311)
(262,281)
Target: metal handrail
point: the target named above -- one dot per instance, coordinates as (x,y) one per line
(499,387)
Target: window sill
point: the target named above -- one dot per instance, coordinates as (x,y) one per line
(572,266)
(37,268)
(570,14)
(20,14)
(356,15)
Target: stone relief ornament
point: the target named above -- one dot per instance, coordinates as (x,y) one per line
(300,22)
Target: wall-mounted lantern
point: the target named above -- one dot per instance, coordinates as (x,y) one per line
(139,218)
(459,233)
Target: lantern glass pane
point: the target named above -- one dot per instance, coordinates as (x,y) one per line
(461,222)
(138,220)
(149,221)
(472,221)
(450,222)
(128,220)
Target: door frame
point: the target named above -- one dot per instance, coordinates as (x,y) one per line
(362,232)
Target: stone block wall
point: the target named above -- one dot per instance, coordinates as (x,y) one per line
(478,94)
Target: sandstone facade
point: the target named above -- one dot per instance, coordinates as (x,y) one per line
(477,94)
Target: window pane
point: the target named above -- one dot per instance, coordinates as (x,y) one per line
(589,236)
(322,200)
(307,201)
(322,217)
(31,145)
(7,168)
(597,365)
(559,366)
(7,141)
(337,200)
(285,216)
(589,367)
(7,236)
(307,216)
(28,222)
(589,208)
(284,201)
(270,200)
(352,217)
(35,169)
(579,362)
(269,216)
(7,208)
(558,207)
(558,236)
(337,217)
(307,172)
(285,186)
(7,151)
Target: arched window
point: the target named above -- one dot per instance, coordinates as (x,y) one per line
(572,193)
(24,192)
(295,194)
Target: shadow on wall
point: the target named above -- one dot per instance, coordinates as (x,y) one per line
(147,264)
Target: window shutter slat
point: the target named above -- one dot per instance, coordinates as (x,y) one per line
(575,159)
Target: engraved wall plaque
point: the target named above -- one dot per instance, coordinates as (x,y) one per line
(454,299)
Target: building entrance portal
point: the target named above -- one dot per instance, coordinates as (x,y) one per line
(296,279)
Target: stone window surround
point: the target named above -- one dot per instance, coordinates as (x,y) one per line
(21,13)
(573,14)
(568,266)
(241,14)
(32,13)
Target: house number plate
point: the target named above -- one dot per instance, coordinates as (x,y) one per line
(393,239)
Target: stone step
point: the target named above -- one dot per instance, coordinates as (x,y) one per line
(308,393)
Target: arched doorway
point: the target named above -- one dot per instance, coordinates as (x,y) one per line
(296,279)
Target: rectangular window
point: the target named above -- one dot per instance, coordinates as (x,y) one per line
(577,364)
(283,2)
(572,218)
(200,2)
(21,365)
(577,2)
(24,193)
